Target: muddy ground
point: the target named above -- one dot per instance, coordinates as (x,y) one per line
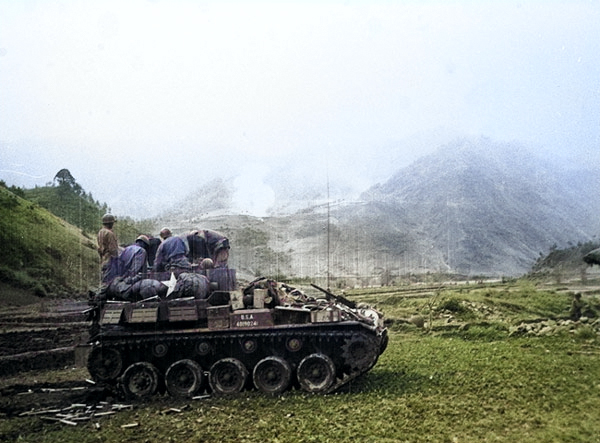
(38,336)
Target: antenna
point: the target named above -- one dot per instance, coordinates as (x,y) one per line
(328,233)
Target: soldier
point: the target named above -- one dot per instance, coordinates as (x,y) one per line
(207,244)
(172,253)
(108,249)
(152,248)
(134,258)
(576,307)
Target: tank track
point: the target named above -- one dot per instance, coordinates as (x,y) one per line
(314,358)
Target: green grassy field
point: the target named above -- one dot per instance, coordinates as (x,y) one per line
(444,384)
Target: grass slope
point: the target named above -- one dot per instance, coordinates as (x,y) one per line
(70,203)
(41,252)
(423,389)
(470,384)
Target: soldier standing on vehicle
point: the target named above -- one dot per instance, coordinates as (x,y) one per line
(108,249)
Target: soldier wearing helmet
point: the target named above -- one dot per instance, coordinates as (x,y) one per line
(108,249)
(134,258)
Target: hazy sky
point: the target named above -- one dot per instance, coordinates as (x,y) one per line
(144,101)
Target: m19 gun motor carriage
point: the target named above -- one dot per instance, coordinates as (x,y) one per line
(192,332)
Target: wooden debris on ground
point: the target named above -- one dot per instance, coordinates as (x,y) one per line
(78,413)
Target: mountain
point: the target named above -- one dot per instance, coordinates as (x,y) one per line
(209,200)
(473,207)
(493,207)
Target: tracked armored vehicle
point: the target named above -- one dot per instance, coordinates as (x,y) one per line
(209,336)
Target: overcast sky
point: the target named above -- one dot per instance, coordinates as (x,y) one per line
(144,101)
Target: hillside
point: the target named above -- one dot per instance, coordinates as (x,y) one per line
(567,261)
(66,199)
(42,253)
(472,208)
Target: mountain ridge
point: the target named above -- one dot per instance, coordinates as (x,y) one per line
(473,207)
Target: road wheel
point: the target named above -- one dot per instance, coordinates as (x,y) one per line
(359,353)
(316,373)
(272,375)
(140,380)
(104,364)
(160,349)
(228,376)
(184,378)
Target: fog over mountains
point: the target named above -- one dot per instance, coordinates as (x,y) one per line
(473,207)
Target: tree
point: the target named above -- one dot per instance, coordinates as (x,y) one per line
(64,177)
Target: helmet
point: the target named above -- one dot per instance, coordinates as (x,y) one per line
(108,218)
(164,233)
(207,263)
(143,238)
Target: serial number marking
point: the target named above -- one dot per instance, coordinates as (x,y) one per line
(246,323)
